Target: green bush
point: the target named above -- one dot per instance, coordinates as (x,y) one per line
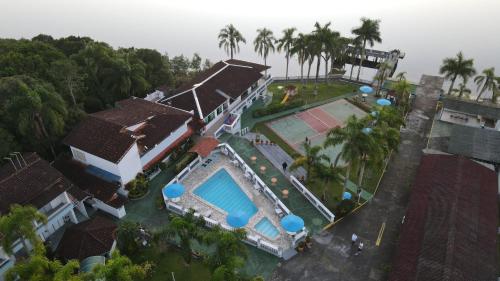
(344,208)
(357,102)
(184,161)
(138,187)
(275,108)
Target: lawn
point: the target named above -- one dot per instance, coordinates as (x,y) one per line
(306,91)
(170,260)
(333,192)
(261,128)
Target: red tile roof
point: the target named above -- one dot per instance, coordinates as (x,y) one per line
(204,146)
(449,231)
(94,237)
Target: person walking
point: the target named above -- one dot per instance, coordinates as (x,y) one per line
(360,248)
(284,165)
(354,238)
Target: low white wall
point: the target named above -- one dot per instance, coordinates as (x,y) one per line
(314,201)
(153,152)
(117,212)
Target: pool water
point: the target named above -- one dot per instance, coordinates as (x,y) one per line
(222,191)
(265,226)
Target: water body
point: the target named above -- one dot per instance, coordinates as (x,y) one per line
(426,30)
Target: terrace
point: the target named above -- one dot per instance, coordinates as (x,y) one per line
(267,203)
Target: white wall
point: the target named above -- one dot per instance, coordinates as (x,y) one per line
(127,169)
(152,153)
(117,212)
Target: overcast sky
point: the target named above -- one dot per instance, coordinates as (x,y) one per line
(427,30)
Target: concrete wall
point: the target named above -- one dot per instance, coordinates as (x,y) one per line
(152,153)
(117,212)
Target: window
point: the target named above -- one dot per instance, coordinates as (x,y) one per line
(219,110)
(78,155)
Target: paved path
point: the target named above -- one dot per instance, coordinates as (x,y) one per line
(276,155)
(332,257)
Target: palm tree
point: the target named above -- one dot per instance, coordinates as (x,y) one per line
(120,268)
(329,174)
(353,141)
(462,90)
(486,82)
(229,38)
(285,44)
(401,76)
(300,49)
(381,76)
(368,32)
(186,228)
(310,159)
(455,67)
(340,53)
(391,116)
(264,43)
(230,250)
(19,224)
(402,89)
(324,38)
(310,52)
(355,51)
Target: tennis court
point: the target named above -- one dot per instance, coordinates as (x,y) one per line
(315,124)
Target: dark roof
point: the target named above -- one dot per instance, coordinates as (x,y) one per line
(89,184)
(134,111)
(213,87)
(93,237)
(157,129)
(485,108)
(257,66)
(478,143)
(449,231)
(103,139)
(36,183)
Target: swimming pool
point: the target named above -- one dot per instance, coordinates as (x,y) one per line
(222,191)
(265,226)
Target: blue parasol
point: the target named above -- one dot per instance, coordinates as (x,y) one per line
(383,102)
(346,196)
(173,190)
(237,219)
(292,223)
(366,89)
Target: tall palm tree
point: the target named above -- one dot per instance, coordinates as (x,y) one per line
(310,52)
(486,82)
(355,51)
(324,38)
(186,228)
(310,159)
(368,32)
(382,75)
(401,75)
(329,174)
(229,38)
(264,43)
(19,224)
(300,49)
(352,139)
(285,44)
(462,90)
(402,89)
(340,53)
(457,67)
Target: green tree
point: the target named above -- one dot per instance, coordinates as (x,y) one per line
(19,224)
(486,82)
(323,37)
(187,228)
(285,44)
(382,75)
(311,159)
(402,89)
(196,63)
(34,110)
(127,238)
(8,143)
(457,67)
(264,43)
(121,268)
(368,32)
(229,38)
(69,79)
(299,48)
(401,75)
(39,267)
(462,90)
(230,251)
(329,174)
(355,51)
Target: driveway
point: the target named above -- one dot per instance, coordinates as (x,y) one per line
(332,257)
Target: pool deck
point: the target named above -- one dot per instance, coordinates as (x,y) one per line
(264,206)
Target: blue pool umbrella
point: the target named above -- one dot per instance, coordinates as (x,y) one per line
(292,223)
(367,130)
(346,195)
(237,219)
(374,113)
(173,190)
(366,89)
(383,102)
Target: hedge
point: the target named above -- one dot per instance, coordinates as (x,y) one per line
(275,108)
(184,161)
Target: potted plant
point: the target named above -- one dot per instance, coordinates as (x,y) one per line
(308,241)
(301,246)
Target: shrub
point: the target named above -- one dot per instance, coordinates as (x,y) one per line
(138,187)
(365,107)
(184,161)
(275,108)
(344,207)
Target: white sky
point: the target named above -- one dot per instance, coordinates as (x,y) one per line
(427,30)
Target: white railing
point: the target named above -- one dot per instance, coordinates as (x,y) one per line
(259,90)
(186,171)
(315,201)
(244,131)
